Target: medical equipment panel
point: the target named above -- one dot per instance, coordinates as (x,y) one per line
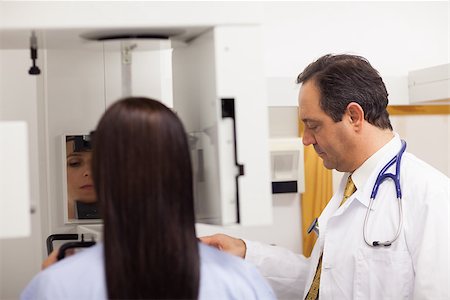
(226,117)
(287,165)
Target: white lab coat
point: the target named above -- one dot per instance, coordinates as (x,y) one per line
(416,266)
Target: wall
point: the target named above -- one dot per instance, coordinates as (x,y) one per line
(21,257)
(396,37)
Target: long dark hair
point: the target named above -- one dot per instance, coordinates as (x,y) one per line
(346,78)
(143,179)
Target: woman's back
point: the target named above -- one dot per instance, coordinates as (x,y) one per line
(82,276)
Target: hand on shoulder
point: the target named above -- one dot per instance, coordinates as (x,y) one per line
(53,258)
(226,243)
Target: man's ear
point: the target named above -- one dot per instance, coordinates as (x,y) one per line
(355,114)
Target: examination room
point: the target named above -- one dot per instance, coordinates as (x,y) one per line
(224,150)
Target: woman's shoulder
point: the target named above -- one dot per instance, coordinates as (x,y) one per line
(210,254)
(74,276)
(85,259)
(221,262)
(230,277)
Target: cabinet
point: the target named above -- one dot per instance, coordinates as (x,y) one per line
(430,85)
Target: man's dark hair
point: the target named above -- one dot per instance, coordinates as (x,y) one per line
(344,78)
(143,180)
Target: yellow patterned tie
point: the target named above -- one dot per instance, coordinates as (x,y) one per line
(350,188)
(313,292)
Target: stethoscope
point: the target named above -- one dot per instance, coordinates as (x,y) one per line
(383,175)
(380,178)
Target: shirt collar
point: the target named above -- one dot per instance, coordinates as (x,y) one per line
(370,168)
(362,174)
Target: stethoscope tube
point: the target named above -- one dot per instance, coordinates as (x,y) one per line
(380,178)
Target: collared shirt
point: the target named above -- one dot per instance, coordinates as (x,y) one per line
(415,266)
(362,174)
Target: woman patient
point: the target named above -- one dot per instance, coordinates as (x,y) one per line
(143,179)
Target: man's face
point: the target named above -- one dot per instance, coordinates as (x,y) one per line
(327,137)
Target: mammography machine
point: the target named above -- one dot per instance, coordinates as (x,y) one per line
(212,76)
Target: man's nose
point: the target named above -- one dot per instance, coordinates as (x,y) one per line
(307,138)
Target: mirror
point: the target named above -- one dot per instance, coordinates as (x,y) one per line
(80,199)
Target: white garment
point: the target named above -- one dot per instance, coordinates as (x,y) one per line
(415,266)
(82,276)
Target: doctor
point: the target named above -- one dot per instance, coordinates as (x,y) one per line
(343,103)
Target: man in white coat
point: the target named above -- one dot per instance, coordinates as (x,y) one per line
(342,103)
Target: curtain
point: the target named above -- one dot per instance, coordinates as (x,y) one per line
(318,191)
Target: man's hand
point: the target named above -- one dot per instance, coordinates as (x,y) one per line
(226,243)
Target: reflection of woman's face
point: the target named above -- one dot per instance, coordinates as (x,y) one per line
(79,180)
